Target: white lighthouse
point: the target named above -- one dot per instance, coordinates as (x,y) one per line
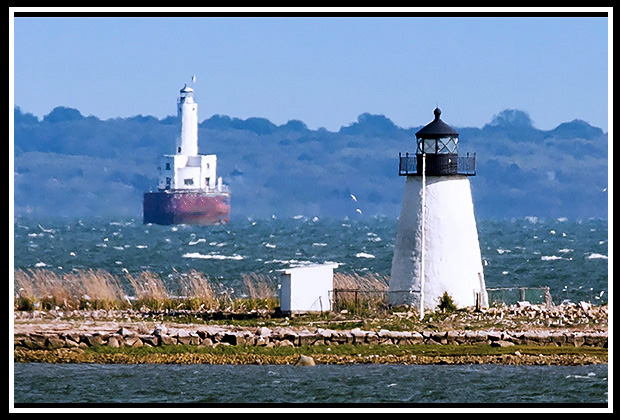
(187,169)
(437,248)
(187,111)
(188,191)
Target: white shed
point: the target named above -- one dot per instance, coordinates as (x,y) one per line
(307,288)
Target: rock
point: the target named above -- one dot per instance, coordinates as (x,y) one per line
(306,338)
(160,330)
(263,332)
(72,337)
(502,343)
(358,335)
(416,338)
(372,338)
(342,337)
(305,361)
(35,341)
(184,337)
(494,336)
(113,342)
(149,340)
(93,340)
(326,334)
(230,338)
(125,332)
(439,338)
(261,341)
(71,343)
(167,340)
(54,342)
(385,336)
(206,342)
(133,341)
(285,343)
(453,337)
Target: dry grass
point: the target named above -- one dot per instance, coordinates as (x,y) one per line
(150,291)
(258,291)
(79,289)
(367,282)
(199,292)
(361,295)
(98,289)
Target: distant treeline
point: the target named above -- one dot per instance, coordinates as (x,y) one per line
(70,165)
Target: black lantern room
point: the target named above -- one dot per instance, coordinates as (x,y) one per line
(438,142)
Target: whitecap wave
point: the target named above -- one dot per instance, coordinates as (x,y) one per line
(596,255)
(553,257)
(364,255)
(292,262)
(212,256)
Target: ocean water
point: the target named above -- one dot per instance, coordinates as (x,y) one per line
(568,256)
(321,384)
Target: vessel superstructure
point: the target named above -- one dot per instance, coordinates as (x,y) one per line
(189,190)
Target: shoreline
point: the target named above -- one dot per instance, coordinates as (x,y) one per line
(574,335)
(76,356)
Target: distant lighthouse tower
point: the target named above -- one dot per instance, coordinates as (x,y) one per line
(189,191)
(437,247)
(187,111)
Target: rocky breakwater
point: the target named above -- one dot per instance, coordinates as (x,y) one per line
(523,334)
(295,337)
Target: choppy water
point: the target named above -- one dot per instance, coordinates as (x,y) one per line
(355,384)
(569,256)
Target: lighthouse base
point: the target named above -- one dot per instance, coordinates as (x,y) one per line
(186,207)
(447,232)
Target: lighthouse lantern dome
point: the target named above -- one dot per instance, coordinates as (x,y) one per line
(437,137)
(186,92)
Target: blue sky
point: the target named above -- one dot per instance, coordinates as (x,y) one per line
(324,71)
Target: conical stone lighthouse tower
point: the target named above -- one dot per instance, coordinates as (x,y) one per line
(437,249)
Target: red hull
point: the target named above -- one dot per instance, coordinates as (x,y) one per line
(191,208)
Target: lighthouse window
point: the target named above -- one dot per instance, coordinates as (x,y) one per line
(429,146)
(447,145)
(188,181)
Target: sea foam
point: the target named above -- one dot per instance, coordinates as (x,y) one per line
(212,256)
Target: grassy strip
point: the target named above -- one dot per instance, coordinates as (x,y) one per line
(379,350)
(322,354)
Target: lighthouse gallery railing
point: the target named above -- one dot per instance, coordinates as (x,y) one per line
(437,164)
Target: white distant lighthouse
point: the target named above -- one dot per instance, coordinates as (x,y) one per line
(437,248)
(188,190)
(187,111)
(187,169)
